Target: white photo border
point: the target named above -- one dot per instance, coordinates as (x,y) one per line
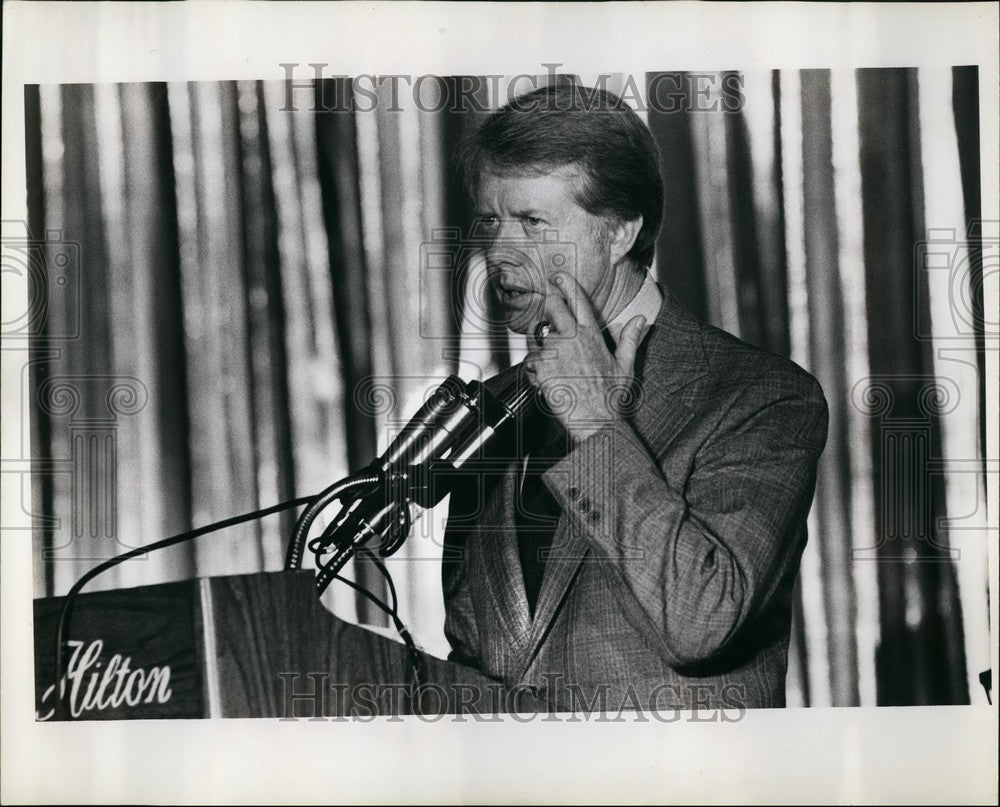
(915,754)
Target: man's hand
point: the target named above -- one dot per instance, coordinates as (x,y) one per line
(581,380)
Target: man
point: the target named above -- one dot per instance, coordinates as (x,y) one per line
(638,542)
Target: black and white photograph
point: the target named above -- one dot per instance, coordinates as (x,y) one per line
(467,402)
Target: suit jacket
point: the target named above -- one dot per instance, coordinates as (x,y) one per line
(669,581)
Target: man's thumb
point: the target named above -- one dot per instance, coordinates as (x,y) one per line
(629,343)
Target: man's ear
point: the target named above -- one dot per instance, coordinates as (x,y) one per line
(623,235)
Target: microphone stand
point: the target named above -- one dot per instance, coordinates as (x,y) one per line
(449,430)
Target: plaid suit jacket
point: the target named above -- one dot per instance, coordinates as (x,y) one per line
(669,581)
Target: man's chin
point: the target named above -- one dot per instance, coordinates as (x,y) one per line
(520,321)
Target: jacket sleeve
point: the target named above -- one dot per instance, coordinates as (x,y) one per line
(693,566)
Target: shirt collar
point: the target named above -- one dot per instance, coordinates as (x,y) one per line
(646,303)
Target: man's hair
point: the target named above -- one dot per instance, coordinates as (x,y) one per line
(571,125)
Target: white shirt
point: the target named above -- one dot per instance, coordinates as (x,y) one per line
(646,303)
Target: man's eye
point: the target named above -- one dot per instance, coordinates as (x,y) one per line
(488,222)
(534,221)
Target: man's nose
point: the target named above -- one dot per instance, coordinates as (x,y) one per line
(507,240)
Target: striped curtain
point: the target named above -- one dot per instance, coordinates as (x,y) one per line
(264,293)
(834,218)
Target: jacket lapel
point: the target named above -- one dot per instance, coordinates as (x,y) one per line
(502,577)
(671,357)
(569,549)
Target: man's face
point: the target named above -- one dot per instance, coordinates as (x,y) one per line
(535,229)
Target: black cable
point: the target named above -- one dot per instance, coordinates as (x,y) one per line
(360,531)
(62,706)
(388,578)
(413,655)
(319,545)
(377,601)
(330,571)
(293,557)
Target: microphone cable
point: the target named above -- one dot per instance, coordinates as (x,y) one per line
(316,504)
(413,655)
(330,571)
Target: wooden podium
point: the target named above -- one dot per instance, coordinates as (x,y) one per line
(257,645)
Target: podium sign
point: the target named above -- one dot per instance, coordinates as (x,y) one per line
(257,645)
(132,654)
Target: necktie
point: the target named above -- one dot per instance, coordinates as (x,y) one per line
(536,510)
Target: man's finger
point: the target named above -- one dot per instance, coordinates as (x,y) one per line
(628,344)
(577,300)
(559,314)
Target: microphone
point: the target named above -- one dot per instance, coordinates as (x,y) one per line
(452,428)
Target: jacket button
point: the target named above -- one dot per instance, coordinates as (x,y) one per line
(584,504)
(595,516)
(574,493)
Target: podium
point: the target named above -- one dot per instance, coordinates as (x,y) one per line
(258,645)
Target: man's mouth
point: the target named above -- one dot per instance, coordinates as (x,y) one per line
(520,302)
(512,287)
(514,295)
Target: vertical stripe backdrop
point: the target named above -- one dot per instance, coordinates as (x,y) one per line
(264,293)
